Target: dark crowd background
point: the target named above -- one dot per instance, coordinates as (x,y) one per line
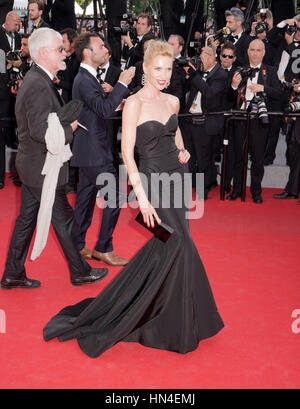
(203,87)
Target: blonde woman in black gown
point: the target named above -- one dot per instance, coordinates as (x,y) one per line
(162,297)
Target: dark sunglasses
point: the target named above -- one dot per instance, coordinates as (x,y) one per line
(227,56)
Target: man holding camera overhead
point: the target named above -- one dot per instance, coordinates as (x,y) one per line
(259,83)
(133,53)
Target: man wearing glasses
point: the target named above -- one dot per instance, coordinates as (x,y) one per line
(36,99)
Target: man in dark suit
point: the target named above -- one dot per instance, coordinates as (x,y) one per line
(263,81)
(227,59)
(10,40)
(60,14)
(37,98)
(35,11)
(134,52)
(92,151)
(5,7)
(108,78)
(234,21)
(64,82)
(205,96)
(177,81)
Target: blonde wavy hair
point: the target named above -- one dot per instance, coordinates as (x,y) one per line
(155,48)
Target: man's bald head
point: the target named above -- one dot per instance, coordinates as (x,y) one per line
(208,58)
(256,52)
(12,21)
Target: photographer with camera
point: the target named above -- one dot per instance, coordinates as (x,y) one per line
(10,40)
(207,84)
(292,187)
(22,65)
(259,29)
(254,88)
(133,48)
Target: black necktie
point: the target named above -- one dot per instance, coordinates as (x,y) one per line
(100,71)
(205,74)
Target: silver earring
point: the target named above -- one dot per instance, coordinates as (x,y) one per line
(144,80)
(167,84)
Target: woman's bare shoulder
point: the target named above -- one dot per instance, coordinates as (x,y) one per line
(173,101)
(133,101)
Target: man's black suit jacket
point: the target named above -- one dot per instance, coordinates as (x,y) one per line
(5,94)
(211,97)
(112,74)
(241,50)
(272,88)
(91,147)
(37,97)
(5,7)
(69,75)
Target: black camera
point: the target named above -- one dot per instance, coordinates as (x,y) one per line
(292,107)
(261,26)
(258,107)
(184,62)
(291,29)
(124,30)
(13,56)
(246,72)
(221,34)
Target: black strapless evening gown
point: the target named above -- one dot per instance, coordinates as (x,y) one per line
(162,297)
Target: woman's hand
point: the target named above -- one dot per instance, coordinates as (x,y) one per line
(149,213)
(184,156)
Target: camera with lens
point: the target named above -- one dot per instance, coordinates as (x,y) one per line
(292,107)
(13,66)
(129,19)
(291,29)
(184,62)
(221,35)
(258,107)
(289,86)
(13,57)
(124,30)
(246,72)
(261,26)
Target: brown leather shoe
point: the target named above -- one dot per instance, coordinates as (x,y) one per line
(86,253)
(109,258)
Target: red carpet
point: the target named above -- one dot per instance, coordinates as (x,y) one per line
(252,258)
